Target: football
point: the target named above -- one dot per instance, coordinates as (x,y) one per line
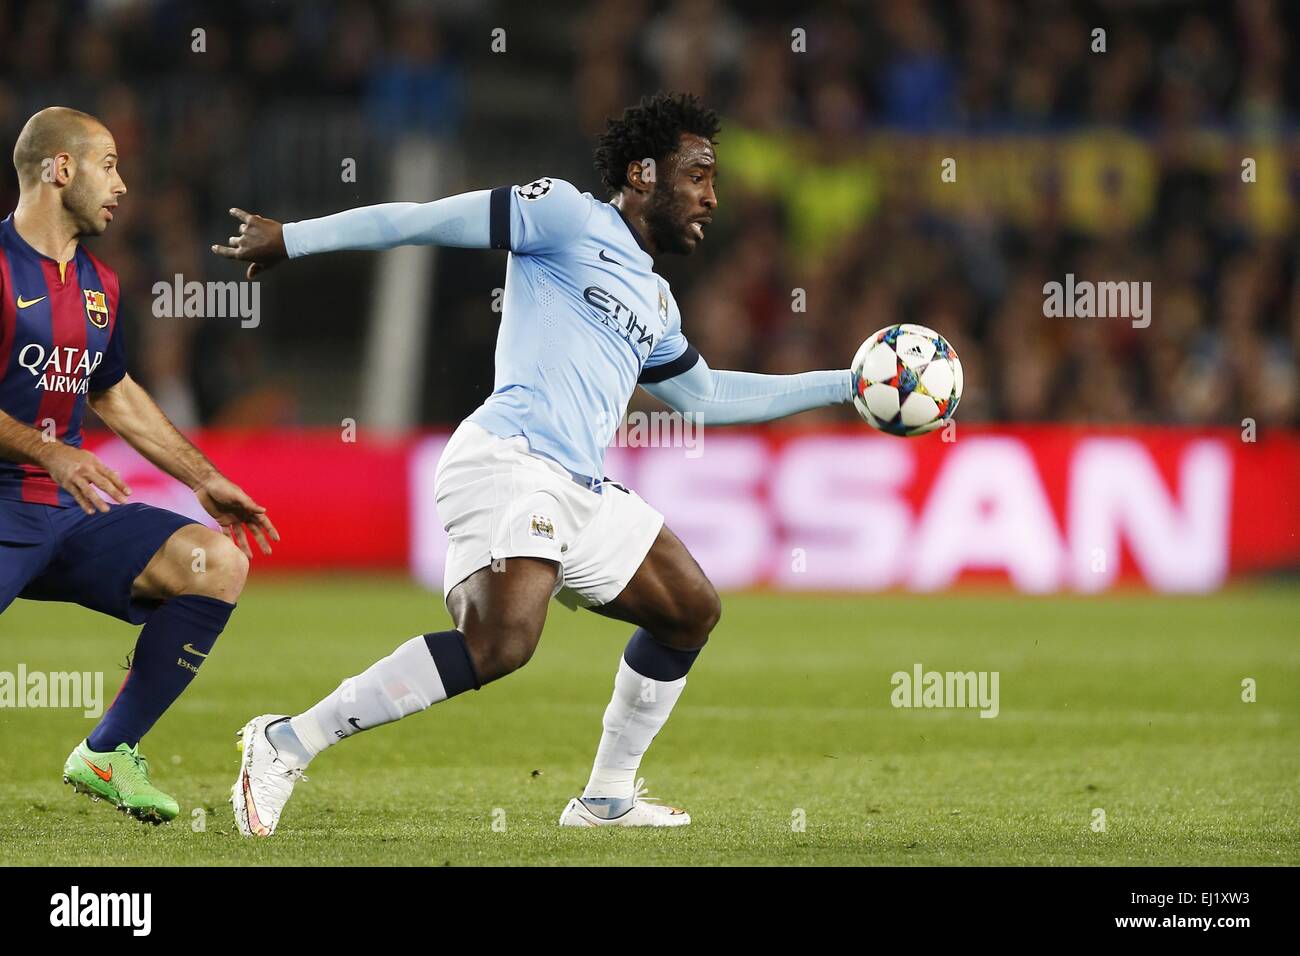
(907,380)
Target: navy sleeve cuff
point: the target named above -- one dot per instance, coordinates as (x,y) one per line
(659,373)
(499,218)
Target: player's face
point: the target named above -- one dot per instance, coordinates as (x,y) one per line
(682,202)
(93,193)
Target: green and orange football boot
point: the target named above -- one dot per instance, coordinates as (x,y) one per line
(121,777)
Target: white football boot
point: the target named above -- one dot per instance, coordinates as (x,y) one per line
(265,781)
(645,812)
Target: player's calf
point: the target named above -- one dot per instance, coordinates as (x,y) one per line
(421,672)
(499,617)
(185,594)
(675,607)
(192,582)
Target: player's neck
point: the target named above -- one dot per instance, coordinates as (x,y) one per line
(635,217)
(46,229)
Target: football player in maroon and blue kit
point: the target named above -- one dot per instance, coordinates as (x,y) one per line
(61,348)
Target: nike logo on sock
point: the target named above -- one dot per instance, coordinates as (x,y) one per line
(354,723)
(189,649)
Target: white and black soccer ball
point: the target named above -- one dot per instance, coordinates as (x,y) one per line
(907,380)
(536,189)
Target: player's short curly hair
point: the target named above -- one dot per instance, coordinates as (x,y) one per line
(651,129)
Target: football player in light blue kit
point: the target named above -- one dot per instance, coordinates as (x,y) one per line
(520,486)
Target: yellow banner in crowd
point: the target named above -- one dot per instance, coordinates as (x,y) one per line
(1098,181)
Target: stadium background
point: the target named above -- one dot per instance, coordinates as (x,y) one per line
(1123,164)
(1090,455)
(834,221)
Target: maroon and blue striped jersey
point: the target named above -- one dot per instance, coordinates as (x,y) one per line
(60,338)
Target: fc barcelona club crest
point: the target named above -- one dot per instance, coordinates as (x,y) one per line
(96,308)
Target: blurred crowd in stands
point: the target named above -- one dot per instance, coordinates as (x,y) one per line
(1140,142)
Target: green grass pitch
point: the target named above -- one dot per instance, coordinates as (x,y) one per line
(1131,705)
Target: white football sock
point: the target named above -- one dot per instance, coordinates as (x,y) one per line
(635,714)
(403,683)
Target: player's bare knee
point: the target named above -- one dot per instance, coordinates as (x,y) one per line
(499,654)
(217,568)
(710,608)
(515,653)
(697,612)
(500,643)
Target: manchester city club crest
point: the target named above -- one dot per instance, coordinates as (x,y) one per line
(96,308)
(663,306)
(540,526)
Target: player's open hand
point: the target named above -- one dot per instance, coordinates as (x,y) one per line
(237,513)
(80,472)
(260,241)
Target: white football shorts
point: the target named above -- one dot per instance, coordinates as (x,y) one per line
(499,500)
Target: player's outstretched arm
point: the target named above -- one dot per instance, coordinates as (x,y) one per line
(129,410)
(732,398)
(461,220)
(76,470)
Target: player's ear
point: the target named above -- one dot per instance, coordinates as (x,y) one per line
(641,175)
(63,167)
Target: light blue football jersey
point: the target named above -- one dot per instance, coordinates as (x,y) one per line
(584,318)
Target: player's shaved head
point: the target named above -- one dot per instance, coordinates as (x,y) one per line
(55,129)
(67,173)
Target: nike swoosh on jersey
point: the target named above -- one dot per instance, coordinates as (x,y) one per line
(608,259)
(24,303)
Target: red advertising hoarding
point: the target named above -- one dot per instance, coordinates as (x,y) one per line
(1042,509)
